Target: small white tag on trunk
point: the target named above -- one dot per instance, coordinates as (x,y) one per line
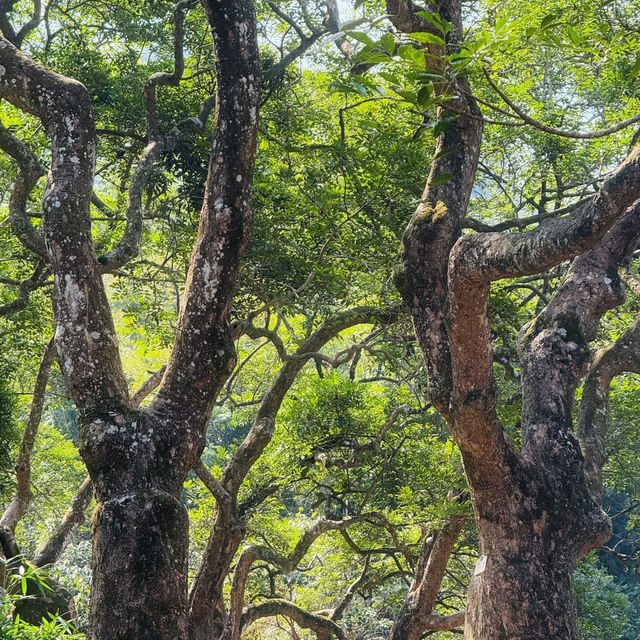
(481,565)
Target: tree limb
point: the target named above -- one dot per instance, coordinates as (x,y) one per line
(417,616)
(285,563)
(30,171)
(64,532)
(322,626)
(85,332)
(580,135)
(203,354)
(20,504)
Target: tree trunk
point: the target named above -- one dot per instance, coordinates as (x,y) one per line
(141,528)
(521,598)
(149,528)
(532,537)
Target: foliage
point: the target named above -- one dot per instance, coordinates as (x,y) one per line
(342,161)
(603,607)
(8,423)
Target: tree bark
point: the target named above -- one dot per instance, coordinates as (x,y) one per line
(537,509)
(138,458)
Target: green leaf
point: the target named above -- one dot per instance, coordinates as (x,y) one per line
(388,42)
(360,88)
(441,126)
(436,20)
(635,69)
(409,96)
(373,57)
(424,95)
(547,20)
(574,36)
(425,37)
(390,77)
(406,52)
(501,22)
(362,37)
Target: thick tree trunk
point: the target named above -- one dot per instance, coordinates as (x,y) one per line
(521,598)
(140,536)
(149,529)
(522,586)
(531,541)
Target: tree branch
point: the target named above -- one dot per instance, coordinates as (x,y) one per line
(285,563)
(437,222)
(580,135)
(210,571)
(30,171)
(163,78)
(85,332)
(64,532)
(417,616)
(20,504)
(323,627)
(262,430)
(203,353)
(25,287)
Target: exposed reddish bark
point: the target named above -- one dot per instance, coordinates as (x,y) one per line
(537,509)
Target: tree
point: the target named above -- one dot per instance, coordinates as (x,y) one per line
(138,459)
(536,489)
(537,508)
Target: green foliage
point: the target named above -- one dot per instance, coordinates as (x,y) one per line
(342,163)
(25,584)
(8,424)
(603,607)
(49,630)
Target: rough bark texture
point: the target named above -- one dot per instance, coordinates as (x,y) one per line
(537,509)
(437,222)
(138,459)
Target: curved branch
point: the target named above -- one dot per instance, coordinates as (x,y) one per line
(20,504)
(210,570)
(30,172)
(478,259)
(338,611)
(163,78)
(521,223)
(25,287)
(622,356)
(262,430)
(417,616)
(31,24)
(285,563)
(127,248)
(147,387)
(437,222)
(64,532)
(495,256)
(580,135)
(85,333)
(212,483)
(323,627)
(203,354)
